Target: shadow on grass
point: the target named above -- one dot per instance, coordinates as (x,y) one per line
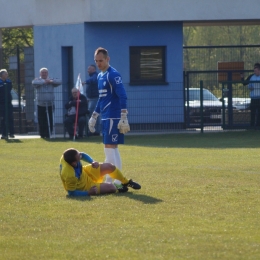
(13,140)
(140,197)
(82,198)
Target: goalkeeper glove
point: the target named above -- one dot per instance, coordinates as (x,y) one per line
(123,125)
(92,121)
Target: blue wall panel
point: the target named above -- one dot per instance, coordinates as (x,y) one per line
(48,43)
(117,37)
(165,102)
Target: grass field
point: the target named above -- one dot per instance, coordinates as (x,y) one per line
(199,200)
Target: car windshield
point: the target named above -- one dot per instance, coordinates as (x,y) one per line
(194,94)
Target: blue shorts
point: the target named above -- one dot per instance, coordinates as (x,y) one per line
(110,132)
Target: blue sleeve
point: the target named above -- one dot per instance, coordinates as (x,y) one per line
(77,193)
(116,81)
(85,157)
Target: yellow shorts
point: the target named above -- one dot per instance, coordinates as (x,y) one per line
(93,175)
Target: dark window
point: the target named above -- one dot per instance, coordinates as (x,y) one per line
(147,65)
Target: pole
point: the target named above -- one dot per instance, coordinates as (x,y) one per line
(6,120)
(76,119)
(48,119)
(53,121)
(19,89)
(201,107)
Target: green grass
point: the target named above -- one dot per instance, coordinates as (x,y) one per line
(199,200)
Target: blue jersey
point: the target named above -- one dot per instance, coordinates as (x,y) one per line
(112,94)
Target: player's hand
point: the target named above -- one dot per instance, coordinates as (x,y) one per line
(95,164)
(123,125)
(92,122)
(93,190)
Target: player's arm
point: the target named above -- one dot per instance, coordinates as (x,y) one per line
(78,193)
(119,88)
(85,157)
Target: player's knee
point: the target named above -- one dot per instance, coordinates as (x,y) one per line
(110,167)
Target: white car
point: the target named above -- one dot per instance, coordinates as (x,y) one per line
(211,106)
(239,103)
(15,102)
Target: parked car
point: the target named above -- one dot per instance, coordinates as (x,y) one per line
(15,102)
(239,103)
(211,106)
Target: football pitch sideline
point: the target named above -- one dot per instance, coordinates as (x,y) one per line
(199,200)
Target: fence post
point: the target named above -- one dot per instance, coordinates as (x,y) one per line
(19,87)
(223,107)
(201,107)
(6,111)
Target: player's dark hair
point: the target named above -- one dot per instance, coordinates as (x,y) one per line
(70,155)
(101,50)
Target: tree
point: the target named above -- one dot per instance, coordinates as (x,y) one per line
(11,39)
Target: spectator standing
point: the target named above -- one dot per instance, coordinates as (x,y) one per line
(112,106)
(92,94)
(45,101)
(255,97)
(71,105)
(6,107)
(256,67)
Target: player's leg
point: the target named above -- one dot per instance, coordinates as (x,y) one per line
(115,173)
(110,158)
(118,159)
(111,139)
(102,188)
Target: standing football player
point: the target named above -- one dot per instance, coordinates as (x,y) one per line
(112,107)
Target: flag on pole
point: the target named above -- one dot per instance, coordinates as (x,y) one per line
(79,85)
(80,89)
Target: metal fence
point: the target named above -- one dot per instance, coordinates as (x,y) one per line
(19,63)
(172,108)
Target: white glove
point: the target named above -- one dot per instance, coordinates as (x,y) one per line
(123,125)
(92,122)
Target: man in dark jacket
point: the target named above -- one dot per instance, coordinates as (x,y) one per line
(92,93)
(6,107)
(71,105)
